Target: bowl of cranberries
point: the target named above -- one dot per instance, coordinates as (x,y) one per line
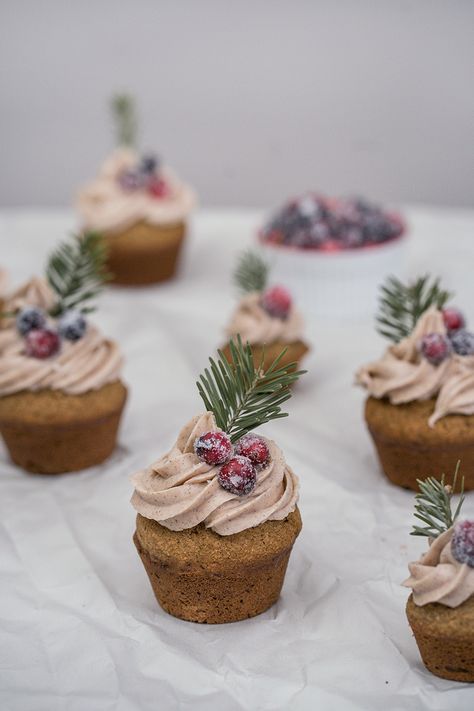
(334,252)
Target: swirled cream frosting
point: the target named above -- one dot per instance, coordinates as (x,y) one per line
(80,366)
(180,492)
(439,577)
(257,326)
(105,206)
(402,375)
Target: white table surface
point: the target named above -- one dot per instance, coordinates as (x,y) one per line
(79,626)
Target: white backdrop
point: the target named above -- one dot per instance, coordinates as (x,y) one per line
(251,100)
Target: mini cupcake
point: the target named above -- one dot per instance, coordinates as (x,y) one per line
(440,609)
(420,409)
(217,515)
(265,316)
(61,397)
(139,206)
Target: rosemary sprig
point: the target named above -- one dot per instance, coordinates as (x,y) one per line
(241,395)
(75,272)
(123,111)
(433,505)
(251,272)
(401,305)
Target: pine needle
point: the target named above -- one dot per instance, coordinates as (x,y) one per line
(251,273)
(433,505)
(124,114)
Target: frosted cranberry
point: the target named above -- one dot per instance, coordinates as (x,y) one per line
(41,343)
(213,448)
(453,319)
(277,301)
(158,188)
(238,476)
(29,318)
(435,347)
(462,342)
(462,542)
(253,447)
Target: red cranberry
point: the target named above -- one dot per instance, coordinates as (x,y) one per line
(213,448)
(462,542)
(435,347)
(41,343)
(453,319)
(277,301)
(253,447)
(238,476)
(158,188)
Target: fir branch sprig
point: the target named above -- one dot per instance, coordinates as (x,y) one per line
(401,305)
(125,119)
(251,272)
(240,394)
(76,273)
(433,505)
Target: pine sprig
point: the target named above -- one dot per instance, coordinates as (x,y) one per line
(251,272)
(75,272)
(241,395)
(433,505)
(401,305)
(124,114)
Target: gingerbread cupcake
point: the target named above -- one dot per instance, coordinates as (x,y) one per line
(139,206)
(440,609)
(420,409)
(217,515)
(61,397)
(265,316)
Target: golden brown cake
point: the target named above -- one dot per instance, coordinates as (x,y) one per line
(294,353)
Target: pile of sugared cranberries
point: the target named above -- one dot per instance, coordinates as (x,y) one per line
(239,466)
(435,347)
(276,301)
(145,176)
(331,224)
(462,542)
(43,341)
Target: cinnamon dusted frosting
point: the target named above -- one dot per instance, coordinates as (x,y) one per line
(439,577)
(105,205)
(255,325)
(403,375)
(180,492)
(80,366)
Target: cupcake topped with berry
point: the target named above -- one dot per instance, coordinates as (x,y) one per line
(329,224)
(441,607)
(432,351)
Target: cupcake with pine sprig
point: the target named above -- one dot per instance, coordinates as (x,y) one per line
(138,205)
(217,515)
(440,609)
(265,316)
(61,397)
(420,409)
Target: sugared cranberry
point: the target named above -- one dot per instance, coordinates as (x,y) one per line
(158,188)
(435,347)
(462,542)
(41,343)
(131,180)
(72,325)
(253,447)
(238,476)
(213,448)
(462,342)
(29,318)
(277,301)
(453,319)
(149,164)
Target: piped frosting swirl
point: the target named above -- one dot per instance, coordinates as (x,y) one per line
(179,491)
(257,326)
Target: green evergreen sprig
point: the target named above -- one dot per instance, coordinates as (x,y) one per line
(125,119)
(401,305)
(251,272)
(240,394)
(433,505)
(76,273)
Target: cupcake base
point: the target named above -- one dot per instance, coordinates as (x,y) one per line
(294,354)
(199,576)
(51,432)
(409,449)
(144,253)
(445,638)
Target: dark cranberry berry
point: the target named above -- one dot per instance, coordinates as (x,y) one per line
(453,319)
(253,447)
(41,343)
(462,542)
(149,164)
(213,448)
(29,318)
(277,302)
(462,342)
(435,347)
(72,325)
(238,476)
